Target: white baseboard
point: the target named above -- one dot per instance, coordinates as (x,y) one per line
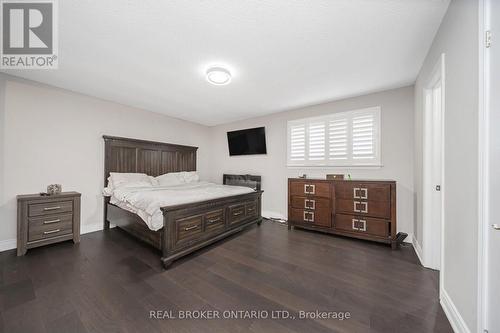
(457,322)
(87,228)
(8,244)
(418,250)
(273,215)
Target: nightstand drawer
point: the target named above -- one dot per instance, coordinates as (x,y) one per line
(48,227)
(49,208)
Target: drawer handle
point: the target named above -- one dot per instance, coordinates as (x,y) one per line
(251,209)
(309,188)
(190,227)
(363,225)
(213,220)
(363,210)
(237,213)
(51,221)
(354,224)
(309,219)
(52,208)
(51,232)
(310,204)
(363,195)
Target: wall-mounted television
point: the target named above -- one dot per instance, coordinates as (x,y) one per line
(250,141)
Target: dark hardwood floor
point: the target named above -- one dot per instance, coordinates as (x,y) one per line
(110,282)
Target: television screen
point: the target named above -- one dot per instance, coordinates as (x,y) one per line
(247,142)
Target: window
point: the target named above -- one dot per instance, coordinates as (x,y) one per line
(340,139)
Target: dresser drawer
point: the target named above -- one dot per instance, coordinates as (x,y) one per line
(251,209)
(49,208)
(214,220)
(50,226)
(320,217)
(310,188)
(188,228)
(362,225)
(236,213)
(380,209)
(310,203)
(363,191)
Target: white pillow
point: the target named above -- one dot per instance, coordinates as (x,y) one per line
(118,179)
(170,179)
(191,177)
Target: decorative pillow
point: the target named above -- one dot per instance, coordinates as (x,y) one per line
(191,177)
(118,179)
(170,179)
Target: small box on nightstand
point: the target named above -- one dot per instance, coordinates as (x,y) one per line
(43,220)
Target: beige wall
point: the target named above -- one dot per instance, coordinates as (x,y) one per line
(55,136)
(458,39)
(397,151)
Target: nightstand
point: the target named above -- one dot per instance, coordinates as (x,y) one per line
(43,220)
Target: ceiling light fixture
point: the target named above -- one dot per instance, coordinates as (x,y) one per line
(218,76)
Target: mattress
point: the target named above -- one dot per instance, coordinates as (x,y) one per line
(147,201)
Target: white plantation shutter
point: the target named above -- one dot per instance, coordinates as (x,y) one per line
(297,143)
(363,140)
(316,141)
(338,139)
(341,139)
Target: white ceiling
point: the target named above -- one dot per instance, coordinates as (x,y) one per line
(284,54)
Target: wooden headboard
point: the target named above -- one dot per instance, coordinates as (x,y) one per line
(149,157)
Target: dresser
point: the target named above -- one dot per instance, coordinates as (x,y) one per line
(43,220)
(364,209)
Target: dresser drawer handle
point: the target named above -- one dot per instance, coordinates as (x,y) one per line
(52,208)
(310,204)
(51,232)
(363,225)
(51,221)
(237,213)
(310,218)
(251,209)
(212,221)
(364,193)
(355,193)
(190,227)
(354,224)
(363,210)
(309,188)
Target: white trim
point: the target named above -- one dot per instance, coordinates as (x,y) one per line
(483,167)
(88,228)
(418,250)
(457,322)
(273,215)
(8,244)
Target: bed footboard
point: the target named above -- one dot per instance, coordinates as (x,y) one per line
(189,227)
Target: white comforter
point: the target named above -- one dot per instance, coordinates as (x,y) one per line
(146,201)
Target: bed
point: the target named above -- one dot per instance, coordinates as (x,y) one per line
(184,227)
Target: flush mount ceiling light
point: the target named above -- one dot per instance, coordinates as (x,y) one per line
(218,76)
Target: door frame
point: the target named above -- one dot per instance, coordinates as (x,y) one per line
(431,244)
(483,167)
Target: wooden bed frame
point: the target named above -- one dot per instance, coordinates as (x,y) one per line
(186,227)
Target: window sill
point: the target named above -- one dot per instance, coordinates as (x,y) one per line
(377,166)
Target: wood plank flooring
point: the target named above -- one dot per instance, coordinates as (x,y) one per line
(110,282)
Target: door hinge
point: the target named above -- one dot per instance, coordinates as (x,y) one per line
(487,39)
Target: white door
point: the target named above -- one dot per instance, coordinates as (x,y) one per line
(437,171)
(433,166)
(492,88)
